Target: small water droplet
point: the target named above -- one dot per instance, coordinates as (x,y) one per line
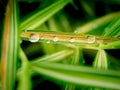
(91,39)
(48,41)
(72,39)
(55,39)
(34,37)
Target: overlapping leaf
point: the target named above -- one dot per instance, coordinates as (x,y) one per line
(79,75)
(10,46)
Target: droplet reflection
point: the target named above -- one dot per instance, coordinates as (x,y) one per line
(91,39)
(34,37)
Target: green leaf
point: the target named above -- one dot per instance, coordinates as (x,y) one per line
(101,61)
(79,75)
(40,17)
(97,23)
(88,9)
(113,30)
(59,22)
(10,46)
(113,45)
(24,74)
(54,57)
(77,56)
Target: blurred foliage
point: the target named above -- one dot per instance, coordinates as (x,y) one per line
(54,66)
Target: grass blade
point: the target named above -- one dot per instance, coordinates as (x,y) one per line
(101,61)
(41,16)
(24,75)
(54,57)
(10,46)
(79,75)
(96,24)
(113,30)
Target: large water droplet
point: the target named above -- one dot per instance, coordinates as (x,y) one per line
(34,37)
(91,39)
(55,39)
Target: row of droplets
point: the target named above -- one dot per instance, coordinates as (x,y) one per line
(34,37)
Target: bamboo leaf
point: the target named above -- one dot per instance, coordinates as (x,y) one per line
(113,30)
(41,16)
(24,75)
(79,75)
(101,61)
(77,56)
(10,46)
(97,23)
(113,45)
(54,57)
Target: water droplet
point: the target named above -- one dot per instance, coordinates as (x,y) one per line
(91,39)
(34,37)
(55,39)
(72,39)
(48,41)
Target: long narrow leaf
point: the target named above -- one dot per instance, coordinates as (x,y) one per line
(96,24)
(113,45)
(113,30)
(40,17)
(79,75)
(10,46)
(24,75)
(101,60)
(54,57)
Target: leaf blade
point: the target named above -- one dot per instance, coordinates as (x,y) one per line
(10,46)
(79,75)
(43,15)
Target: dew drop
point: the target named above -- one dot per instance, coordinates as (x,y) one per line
(55,39)
(34,37)
(72,39)
(91,39)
